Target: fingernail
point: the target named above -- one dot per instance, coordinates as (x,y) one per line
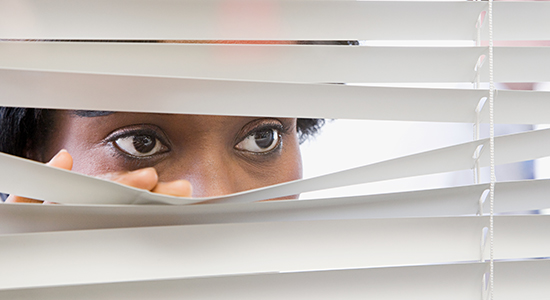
(58,154)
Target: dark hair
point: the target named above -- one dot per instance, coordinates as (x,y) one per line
(25,130)
(308,128)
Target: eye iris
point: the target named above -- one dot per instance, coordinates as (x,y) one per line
(264,139)
(144,143)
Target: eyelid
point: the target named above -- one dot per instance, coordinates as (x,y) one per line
(136,130)
(275,144)
(142,129)
(260,125)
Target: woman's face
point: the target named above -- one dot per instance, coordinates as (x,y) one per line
(219,155)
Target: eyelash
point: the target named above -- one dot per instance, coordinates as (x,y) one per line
(127,133)
(280,129)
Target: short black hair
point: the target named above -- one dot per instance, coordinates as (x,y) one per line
(24,131)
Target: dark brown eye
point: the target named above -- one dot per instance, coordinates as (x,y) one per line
(260,141)
(144,143)
(139,145)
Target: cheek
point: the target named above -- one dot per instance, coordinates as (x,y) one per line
(74,135)
(93,162)
(290,170)
(293,165)
(94,159)
(294,162)
(287,168)
(212,173)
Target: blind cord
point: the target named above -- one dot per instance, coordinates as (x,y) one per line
(492,150)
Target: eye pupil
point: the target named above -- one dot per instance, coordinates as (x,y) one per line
(144,143)
(264,139)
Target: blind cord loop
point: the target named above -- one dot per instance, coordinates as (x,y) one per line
(479,109)
(485,285)
(481,201)
(477,69)
(479,24)
(483,243)
(476,156)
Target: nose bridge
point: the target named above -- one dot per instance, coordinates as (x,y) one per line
(211,174)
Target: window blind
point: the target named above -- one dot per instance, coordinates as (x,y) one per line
(234,58)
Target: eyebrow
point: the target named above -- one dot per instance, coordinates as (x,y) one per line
(92,113)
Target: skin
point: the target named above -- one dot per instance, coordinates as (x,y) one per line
(198,156)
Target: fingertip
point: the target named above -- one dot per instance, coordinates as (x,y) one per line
(17,199)
(149,172)
(185,187)
(190,188)
(177,188)
(62,160)
(145,178)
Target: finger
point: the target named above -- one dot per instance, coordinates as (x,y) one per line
(146,178)
(62,160)
(17,199)
(178,188)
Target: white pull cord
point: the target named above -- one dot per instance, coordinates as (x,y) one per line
(492,151)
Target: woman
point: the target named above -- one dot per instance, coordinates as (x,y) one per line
(178,155)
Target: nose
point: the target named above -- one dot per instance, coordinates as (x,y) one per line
(212,176)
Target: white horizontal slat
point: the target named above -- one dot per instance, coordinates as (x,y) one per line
(519,107)
(515,280)
(213,250)
(49,183)
(281,63)
(223,97)
(14,218)
(269,20)
(516,147)
(521,237)
(453,282)
(520,20)
(512,197)
(522,279)
(521,64)
(238,20)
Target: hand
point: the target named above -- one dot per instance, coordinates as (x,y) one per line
(146,179)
